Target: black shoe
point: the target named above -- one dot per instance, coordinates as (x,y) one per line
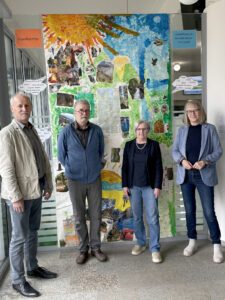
(42,273)
(99,255)
(26,289)
(82,258)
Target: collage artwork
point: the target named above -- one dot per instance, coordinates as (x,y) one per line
(121,65)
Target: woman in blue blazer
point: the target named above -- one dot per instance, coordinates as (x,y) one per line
(141,181)
(196,150)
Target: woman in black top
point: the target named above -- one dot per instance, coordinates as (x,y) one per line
(141,181)
(196,150)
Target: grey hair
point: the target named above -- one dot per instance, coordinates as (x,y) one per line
(196,103)
(84,101)
(146,123)
(17,95)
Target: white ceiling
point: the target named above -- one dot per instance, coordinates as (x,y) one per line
(37,7)
(27,14)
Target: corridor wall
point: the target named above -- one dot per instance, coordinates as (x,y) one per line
(216,95)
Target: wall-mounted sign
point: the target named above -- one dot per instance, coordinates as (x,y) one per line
(191,85)
(28,38)
(33,86)
(184,39)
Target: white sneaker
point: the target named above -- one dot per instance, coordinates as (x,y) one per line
(191,248)
(217,254)
(137,249)
(156,257)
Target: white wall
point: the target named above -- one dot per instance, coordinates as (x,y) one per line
(34,7)
(216,94)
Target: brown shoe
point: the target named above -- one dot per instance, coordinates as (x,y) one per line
(99,255)
(82,258)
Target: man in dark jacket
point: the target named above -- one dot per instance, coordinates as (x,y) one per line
(80,150)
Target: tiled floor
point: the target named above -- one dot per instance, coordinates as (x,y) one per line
(130,277)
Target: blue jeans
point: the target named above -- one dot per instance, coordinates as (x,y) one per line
(24,240)
(192,181)
(144,196)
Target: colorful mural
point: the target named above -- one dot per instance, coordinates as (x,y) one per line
(121,65)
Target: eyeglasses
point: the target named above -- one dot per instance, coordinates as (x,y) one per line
(194,111)
(142,129)
(82,111)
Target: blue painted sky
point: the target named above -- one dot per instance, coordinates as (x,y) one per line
(141,49)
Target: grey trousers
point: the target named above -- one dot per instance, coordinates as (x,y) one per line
(78,193)
(24,240)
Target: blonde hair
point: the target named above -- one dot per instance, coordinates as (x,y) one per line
(199,106)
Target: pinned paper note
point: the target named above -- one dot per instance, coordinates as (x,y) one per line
(32,86)
(184,83)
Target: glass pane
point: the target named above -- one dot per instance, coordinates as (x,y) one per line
(19,67)
(26,67)
(4,230)
(186,79)
(32,71)
(10,65)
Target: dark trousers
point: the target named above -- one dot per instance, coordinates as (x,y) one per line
(192,181)
(79,192)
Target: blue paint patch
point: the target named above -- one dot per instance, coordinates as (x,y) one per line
(156,84)
(111,186)
(137,48)
(145,113)
(147,43)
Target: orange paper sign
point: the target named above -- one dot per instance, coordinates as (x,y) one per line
(28,38)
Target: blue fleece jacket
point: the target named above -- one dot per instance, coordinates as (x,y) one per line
(81,164)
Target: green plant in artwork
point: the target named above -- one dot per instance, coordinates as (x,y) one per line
(172,216)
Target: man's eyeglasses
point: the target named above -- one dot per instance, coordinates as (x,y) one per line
(83,111)
(194,111)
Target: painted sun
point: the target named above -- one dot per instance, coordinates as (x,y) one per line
(88,30)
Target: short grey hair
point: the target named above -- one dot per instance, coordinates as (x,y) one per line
(21,94)
(203,117)
(146,123)
(84,101)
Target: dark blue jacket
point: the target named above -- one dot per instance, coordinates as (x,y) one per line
(81,164)
(154,164)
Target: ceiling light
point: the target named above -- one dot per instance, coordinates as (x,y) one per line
(176,67)
(188,2)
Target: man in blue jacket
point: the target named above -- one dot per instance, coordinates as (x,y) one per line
(81,150)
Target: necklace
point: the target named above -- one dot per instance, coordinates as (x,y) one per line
(141,148)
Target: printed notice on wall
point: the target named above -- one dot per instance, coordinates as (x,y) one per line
(32,86)
(28,38)
(184,39)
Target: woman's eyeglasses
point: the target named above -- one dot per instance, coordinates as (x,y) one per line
(142,129)
(194,111)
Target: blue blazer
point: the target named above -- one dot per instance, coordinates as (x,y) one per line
(154,164)
(210,151)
